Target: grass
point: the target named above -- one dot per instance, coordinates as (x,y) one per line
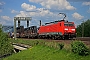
(45,51)
(27,42)
(41,42)
(39,52)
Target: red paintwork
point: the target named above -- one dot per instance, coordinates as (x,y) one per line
(55,27)
(70,28)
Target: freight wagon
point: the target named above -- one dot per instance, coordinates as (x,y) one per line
(30,32)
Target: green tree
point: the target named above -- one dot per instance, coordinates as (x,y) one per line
(85,28)
(79,48)
(79,31)
(5,46)
(0,25)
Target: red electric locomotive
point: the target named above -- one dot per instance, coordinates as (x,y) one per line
(57,30)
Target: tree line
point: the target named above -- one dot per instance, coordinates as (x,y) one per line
(83,29)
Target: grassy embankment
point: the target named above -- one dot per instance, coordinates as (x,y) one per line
(49,52)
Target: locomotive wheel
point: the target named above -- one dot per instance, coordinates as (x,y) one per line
(66,37)
(53,37)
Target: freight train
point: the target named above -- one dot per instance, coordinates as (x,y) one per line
(54,30)
(60,29)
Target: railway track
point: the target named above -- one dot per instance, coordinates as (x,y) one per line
(77,38)
(85,40)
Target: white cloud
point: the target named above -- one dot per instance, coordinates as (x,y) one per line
(44,15)
(86,3)
(34,11)
(37,1)
(14,11)
(31,10)
(55,4)
(78,0)
(22,14)
(2,3)
(77,16)
(28,7)
(6,18)
(38,13)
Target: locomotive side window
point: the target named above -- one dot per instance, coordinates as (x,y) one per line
(65,24)
(71,24)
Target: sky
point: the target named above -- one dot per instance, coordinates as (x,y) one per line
(46,10)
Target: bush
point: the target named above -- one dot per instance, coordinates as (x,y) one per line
(5,46)
(61,45)
(79,48)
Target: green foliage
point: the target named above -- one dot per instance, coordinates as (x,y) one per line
(28,42)
(5,46)
(85,27)
(46,53)
(44,50)
(32,42)
(79,31)
(79,48)
(61,45)
(0,25)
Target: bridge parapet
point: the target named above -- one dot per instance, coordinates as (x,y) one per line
(20,47)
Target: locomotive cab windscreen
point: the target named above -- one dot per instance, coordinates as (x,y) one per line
(69,24)
(69,27)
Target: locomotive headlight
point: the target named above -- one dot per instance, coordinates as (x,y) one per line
(73,29)
(66,29)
